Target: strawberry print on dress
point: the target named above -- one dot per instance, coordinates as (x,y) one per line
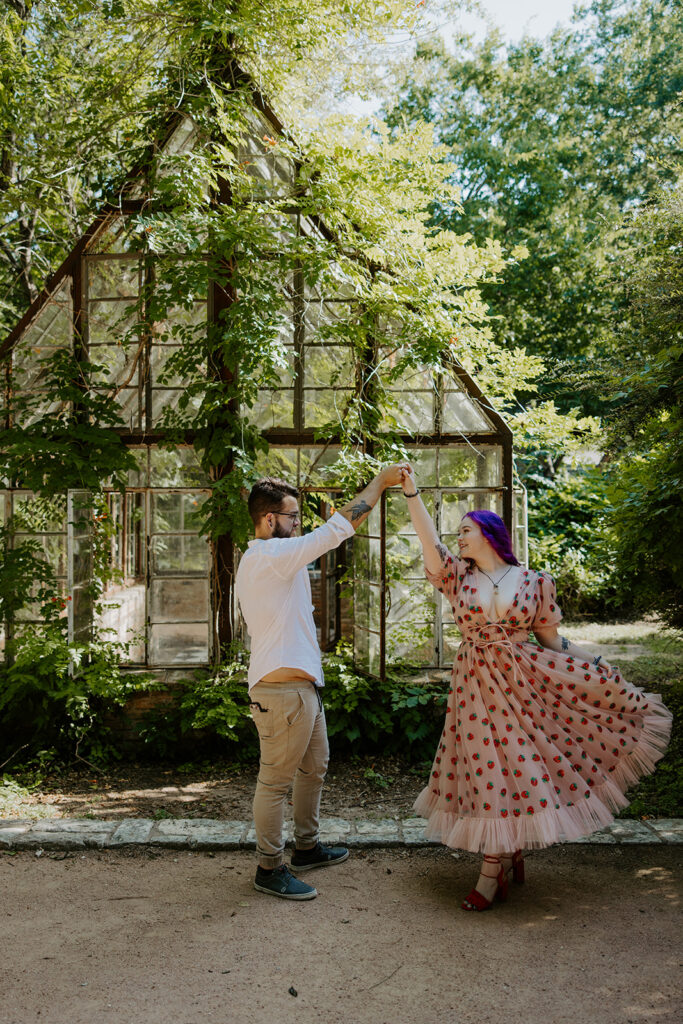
(537,746)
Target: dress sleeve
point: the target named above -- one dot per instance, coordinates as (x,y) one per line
(451,574)
(547,610)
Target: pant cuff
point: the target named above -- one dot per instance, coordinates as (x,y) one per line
(270,861)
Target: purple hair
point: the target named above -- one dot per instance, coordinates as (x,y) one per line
(496,533)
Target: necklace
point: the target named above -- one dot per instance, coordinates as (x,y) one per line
(495,584)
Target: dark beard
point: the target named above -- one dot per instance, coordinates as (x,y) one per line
(279,531)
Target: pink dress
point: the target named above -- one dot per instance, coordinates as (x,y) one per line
(537,746)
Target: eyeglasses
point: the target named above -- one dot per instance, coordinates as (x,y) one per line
(294,516)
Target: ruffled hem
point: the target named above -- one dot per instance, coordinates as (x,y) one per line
(488,835)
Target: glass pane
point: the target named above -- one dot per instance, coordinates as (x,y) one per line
(139,477)
(179,554)
(462,466)
(81,606)
(366,557)
(123,618)
(51,330)
(273,409)
(451,641)
(259,153)
(411,643)
(404,557)
(180,288)
(461,412)
(169,398)
(176,644)
(406,378)
(121,235)
(136,532)
(280,462)
(454,507)
(367,598)
(38,515)
(366,650)
(179,600)
(413,411)
(318,466)
(520,527)
(331,366)
(53,548)
(321,407)
(176,467)
(166,375)
(326,321)
(113,278)
(424,462)
(114,341)
(176,513)
(412,601)
(130,402)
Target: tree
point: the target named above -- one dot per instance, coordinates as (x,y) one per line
(550,143)
(646,424)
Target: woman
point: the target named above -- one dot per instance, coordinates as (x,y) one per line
(541,740)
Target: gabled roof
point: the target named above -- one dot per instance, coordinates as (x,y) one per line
(173,136)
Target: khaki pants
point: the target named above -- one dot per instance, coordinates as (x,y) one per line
(290,721)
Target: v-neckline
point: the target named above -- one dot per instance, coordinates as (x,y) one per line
(512,602)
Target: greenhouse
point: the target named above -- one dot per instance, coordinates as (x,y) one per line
(135,308)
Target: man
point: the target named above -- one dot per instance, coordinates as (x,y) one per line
(285,674)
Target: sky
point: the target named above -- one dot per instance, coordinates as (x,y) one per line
(514,17)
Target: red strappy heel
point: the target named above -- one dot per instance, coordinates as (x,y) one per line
(518,867)
(474,899)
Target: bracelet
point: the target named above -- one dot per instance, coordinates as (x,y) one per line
(413,495)
(596,661)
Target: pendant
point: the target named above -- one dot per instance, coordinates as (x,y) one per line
(495,588)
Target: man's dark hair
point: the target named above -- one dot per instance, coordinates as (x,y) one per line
(267,495)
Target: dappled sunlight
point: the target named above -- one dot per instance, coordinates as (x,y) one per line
(161,801)
(663,883)
(661,1007)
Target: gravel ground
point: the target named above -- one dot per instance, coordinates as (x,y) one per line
(157,936)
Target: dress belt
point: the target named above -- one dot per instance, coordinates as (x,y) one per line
(481,639)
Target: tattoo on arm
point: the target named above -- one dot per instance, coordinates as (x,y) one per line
(443,551)
(565,643)
(359,509)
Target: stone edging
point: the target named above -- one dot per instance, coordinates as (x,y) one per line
(209,834)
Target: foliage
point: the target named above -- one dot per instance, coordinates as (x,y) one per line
(659,795)
(550,142)
(363,714)
(646,422)
(556,146)
(572,543)
(53,693)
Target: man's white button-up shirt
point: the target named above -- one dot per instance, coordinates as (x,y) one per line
(274,593)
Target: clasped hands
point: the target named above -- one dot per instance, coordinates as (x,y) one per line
(400,474)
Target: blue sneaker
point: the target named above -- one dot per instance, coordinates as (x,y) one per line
(319,857)
(282,883)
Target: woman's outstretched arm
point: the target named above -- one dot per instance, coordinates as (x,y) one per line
(550,637)
(433,550)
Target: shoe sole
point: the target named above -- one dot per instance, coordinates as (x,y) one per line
(320,863)
(287,895)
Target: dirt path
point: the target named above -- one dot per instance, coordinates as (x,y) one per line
(158,937)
